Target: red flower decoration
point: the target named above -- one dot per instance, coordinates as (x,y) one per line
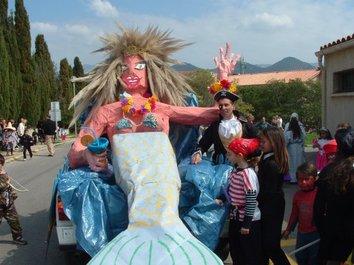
(225,83)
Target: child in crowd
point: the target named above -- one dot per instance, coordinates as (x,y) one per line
(10,138)
(325,137)
(330,150)
(302,213)
(27,141)
(244,228)
(63,134)
(7,205)
(273,166)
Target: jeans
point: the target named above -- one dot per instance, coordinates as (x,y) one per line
(307,256)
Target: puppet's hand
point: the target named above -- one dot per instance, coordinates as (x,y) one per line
(226,62)
(96,162)
(196,158)
(219,202)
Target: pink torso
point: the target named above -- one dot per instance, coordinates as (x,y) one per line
(106,118)
(114,114)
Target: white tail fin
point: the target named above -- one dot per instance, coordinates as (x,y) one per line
(145,167)
(156,247)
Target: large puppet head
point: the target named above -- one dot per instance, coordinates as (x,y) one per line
(137,62)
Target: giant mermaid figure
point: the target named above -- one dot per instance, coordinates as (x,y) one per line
(145,168)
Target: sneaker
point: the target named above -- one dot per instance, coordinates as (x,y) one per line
(20,241)
(24,159)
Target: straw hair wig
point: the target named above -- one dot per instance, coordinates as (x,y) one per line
(155,47)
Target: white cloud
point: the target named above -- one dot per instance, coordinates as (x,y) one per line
(104,8)
(77,29)
(262,31)
(274,20)
(44,27)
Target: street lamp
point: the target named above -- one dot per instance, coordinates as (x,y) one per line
(72,80)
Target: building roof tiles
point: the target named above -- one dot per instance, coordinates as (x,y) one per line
(264,78)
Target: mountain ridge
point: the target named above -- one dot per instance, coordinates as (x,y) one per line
(286,64)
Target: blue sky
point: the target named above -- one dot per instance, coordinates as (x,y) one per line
(263,31)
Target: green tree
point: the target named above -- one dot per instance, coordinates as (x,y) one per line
(14,68)
(78,71)
(280,98)
(65,91)
(310,112)
(30,100)
(4,78)
(200,80)
(3,12)
(45,75)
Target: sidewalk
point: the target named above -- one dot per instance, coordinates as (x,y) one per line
(18,155)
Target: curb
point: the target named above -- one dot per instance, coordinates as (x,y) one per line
(19,157)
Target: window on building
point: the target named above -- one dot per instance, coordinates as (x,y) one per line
(343,81)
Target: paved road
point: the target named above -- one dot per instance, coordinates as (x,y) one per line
(37,174)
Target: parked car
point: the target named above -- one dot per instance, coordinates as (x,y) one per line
(64,227)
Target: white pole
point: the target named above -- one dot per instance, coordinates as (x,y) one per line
(73,82)
(304,247)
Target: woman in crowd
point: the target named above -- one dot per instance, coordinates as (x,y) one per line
(334,203)
(272,168)
(295,140)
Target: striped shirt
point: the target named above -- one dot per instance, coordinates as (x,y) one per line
(243,191)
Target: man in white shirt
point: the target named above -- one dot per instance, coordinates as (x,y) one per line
(21,127)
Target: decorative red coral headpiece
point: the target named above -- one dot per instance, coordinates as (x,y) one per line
(244,147)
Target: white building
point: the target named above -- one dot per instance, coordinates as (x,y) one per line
(336,62)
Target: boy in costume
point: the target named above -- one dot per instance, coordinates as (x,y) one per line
(7,205)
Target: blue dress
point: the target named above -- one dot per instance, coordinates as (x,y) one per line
(98,207)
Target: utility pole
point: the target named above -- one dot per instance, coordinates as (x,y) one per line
(242,65)
(72,80)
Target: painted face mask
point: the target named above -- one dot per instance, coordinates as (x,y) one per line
(134,74)
(306,183)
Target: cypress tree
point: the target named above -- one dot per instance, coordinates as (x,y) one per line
(65,91)
(45,75)
(30,101)
(14,68)
(3,12)
(78,71)
(4,78)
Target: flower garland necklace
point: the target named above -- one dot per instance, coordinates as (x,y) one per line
(128,106)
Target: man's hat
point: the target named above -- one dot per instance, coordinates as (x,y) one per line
(225,94)
(10,127)
(224,89)
(245,147)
